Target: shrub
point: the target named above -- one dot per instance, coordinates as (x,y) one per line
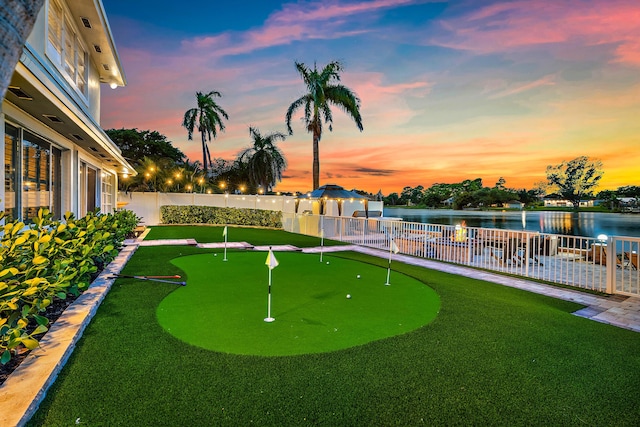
(50,260)
(212,215)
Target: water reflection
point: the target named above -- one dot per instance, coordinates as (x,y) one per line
(587,224)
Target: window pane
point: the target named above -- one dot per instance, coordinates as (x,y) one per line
(55,26)
(35,175)
(107,192)
(11,163)
(69,50)
(82,69)
(56,183)
(91,189)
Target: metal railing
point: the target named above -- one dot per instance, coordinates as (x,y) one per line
(609,266)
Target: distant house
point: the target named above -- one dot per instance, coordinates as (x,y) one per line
(56,155)
(562,203)
(514,204)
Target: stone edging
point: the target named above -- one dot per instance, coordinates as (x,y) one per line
(26,387)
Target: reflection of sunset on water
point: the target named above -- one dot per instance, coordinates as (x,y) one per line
(587,224)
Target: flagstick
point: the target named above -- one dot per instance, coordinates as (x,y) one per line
(269,318)
(389,265)
(271,263)
(321,236)
(225,242)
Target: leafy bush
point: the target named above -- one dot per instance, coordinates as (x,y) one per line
(50,260)
(212,215)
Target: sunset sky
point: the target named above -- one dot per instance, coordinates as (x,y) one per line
(450,90)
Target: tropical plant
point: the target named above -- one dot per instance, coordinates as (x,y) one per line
(47,261)
(207,117)
(323,91)
(265,162)
(576,178)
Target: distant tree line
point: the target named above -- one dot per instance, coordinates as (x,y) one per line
(573,180)
(465,194)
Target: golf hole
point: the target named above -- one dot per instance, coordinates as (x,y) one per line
(224,305)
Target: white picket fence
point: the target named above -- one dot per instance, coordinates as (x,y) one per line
(609,266)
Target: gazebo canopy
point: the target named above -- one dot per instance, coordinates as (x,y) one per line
(334,192)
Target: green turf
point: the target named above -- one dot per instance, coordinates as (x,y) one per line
(224,303)
(493,356)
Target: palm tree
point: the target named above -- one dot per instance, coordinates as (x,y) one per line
(208,116)
(16,22)
(264,161)
(322,92)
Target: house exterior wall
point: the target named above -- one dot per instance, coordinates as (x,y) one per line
(66,163)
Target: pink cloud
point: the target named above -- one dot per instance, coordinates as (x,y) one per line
(322,11)
(519,24)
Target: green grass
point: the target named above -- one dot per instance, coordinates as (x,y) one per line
(225,311)
(493,356)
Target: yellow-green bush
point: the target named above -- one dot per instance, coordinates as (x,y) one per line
(48,260)
(212,215)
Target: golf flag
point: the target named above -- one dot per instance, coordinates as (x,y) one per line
(394,247)
(224,232)
(271,261)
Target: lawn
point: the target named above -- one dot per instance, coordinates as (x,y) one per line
(493,356)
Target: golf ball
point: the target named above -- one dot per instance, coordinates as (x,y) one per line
(327,262)
(358,276)
(215,254)
(348,296)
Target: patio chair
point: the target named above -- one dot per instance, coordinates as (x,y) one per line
(633,259)
(535,247)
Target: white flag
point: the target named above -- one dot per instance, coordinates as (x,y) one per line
(271,261)
(224,232)
(394,247)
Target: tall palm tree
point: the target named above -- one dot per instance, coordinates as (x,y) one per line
(16,22)
(264,161)
(323,91)
(207,116)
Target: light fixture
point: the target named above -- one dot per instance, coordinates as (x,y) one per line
(113,85)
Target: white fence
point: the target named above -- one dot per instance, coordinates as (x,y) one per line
(610,266)
(147,205)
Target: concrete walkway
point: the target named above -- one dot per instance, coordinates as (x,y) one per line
(26,387)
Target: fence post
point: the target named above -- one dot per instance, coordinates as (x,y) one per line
(612,258)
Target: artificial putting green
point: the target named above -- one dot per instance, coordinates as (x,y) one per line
(224,304)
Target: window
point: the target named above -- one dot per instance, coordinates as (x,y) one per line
(65,48)
(107,192)
(33,171)
(36,180)
(88,188)
(11,168)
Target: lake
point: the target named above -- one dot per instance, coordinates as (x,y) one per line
(586,224)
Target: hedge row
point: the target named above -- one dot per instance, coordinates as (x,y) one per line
(212,215)
(50,260)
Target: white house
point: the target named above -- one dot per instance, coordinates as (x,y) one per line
(56,155)
(562,203)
